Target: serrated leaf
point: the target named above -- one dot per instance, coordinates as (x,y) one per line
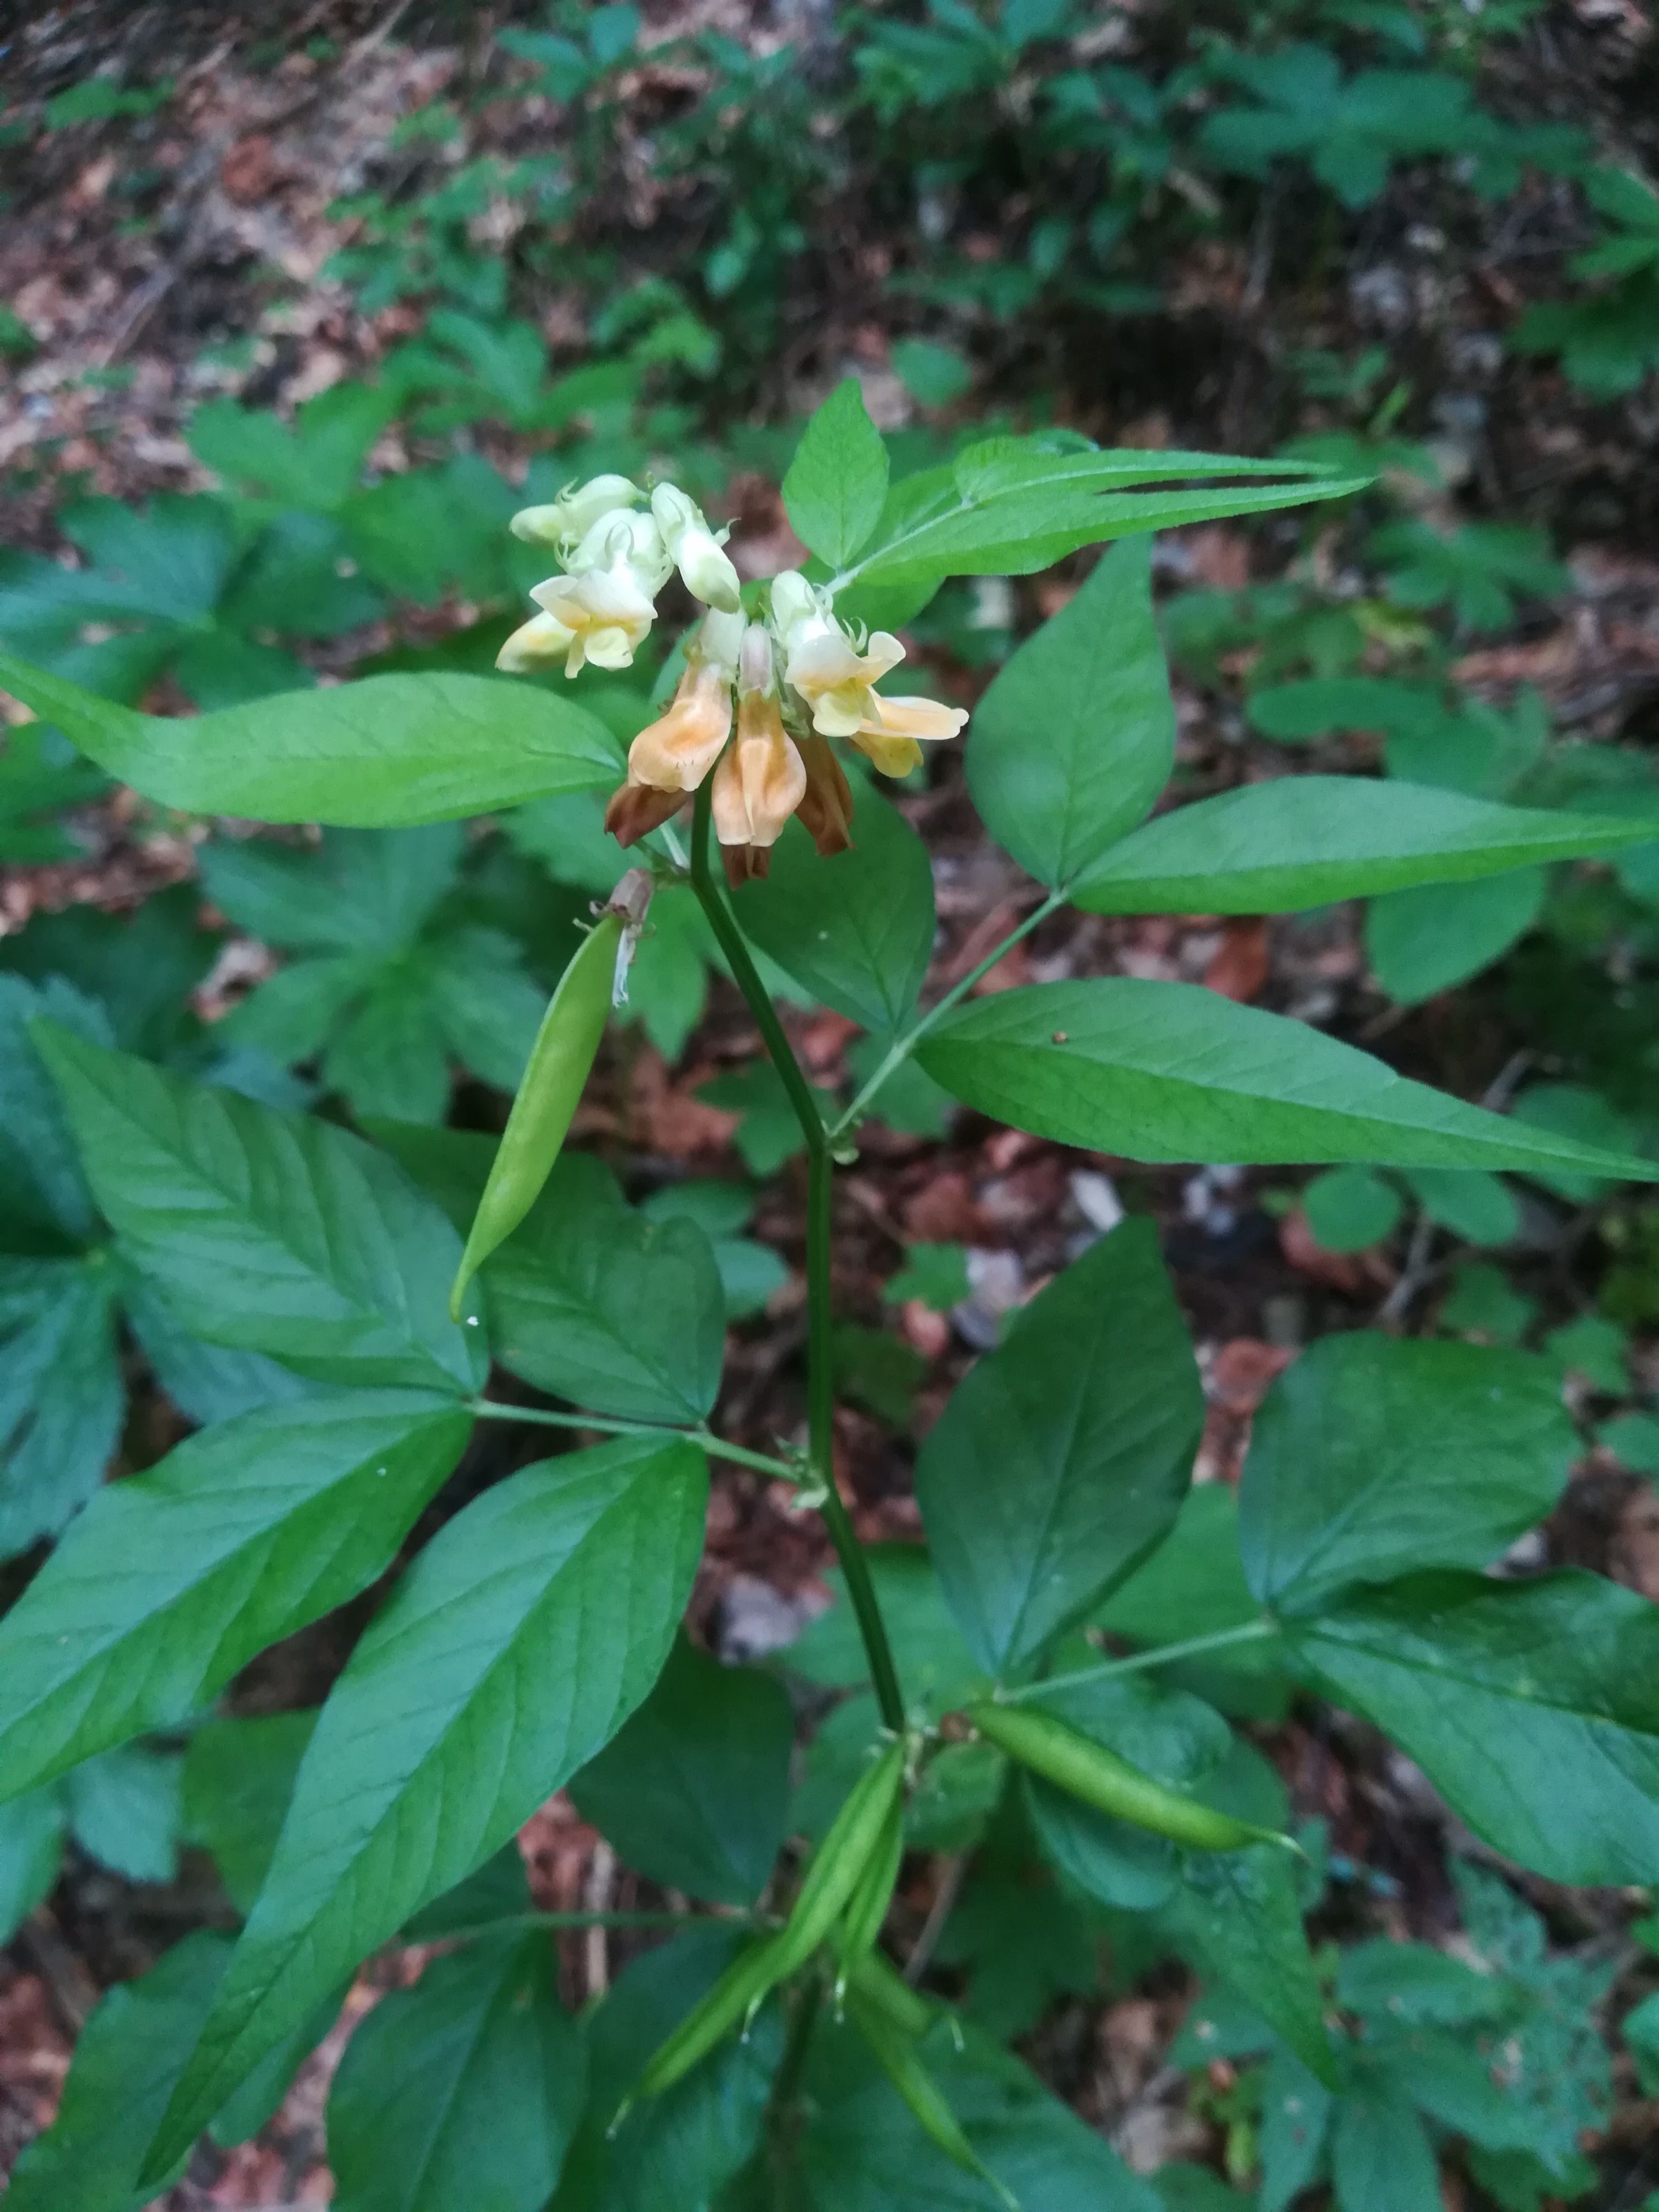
(172,1580)
(1304,841)
(838,481)
(1171,1072)
(385,753)
(464,2089)
(856,929)
(523,1635)
(1075,737)
(268,1230)
(1371,1455)
(1531,1706)
(1062,1458)
(693,1792)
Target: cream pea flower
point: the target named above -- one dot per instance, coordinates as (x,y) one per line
(695,549)
(602,611)
(888,738)
(568,519)
(837,681)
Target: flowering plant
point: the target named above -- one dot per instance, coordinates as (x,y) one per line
(787,2042)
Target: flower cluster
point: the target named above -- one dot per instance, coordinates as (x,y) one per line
(614,559)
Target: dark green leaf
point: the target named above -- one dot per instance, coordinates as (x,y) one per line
(1062,1458)
(1469,1202)
(238,1777)
(1237,1916)
(1303,841)
(61,1393)
(1413,1981)
(856,929)
(385,753)
(695,1791)
(206,1382)
(1420,942)
(522,1638)
(1171,1072)
(1350,1209)
(357,891)
(45,1204)
(31,1848)
(124,1811)
(267,1230)
(1075,737)
(1296,2111)
(934,1664)
(172,1580)
(838,479)
(1532,1706)
(464,2089)
(1372,1454)
(1381,2160)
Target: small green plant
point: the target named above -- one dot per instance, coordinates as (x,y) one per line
(1608,340)
(356,1287)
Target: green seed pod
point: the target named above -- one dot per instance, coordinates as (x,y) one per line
(866,1908)
(840,1861)
(1048,1747)
(896,2054)
(560,1062)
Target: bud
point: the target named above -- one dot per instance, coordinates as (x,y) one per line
(694,548)
(568,519)
(796,608)
(624,541)
(542,639)
(826,811)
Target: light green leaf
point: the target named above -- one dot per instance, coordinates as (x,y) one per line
(1171,1072)
(1304,841)
(1350,1209)
(1075,737)
(268,1232)
(693,1792)
(1471,1203)
(31,1851)
(172,1580)
(464,2090)
(838,481)
(1381,2158)
(1062,1457)
(1372,1454)
(519,1641)
(385,753)
(1423,941)
(1322,706)
(1532,1706)
(239,1777)
(857,929)
(124,1811)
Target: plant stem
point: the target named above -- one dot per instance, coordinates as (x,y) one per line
(821,1383)
(716,1446)
(1251,1631)
(901,1047)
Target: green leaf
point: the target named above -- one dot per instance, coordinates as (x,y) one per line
(125,2063)
(593,1301)
(1574,1111)
(267,1231)
(1350,1209)
(516,1645)
(1469,1202)
(1296,2110)
(239,1777)
(936,1274)
(1414,1983)
(172,1580)
(1325,706)
(1532,1706)
(1171,1072)
(838,481)
(1304,841)
(1594,1347)
(124,1811)
(62,1398)
(385,753)
(769,1132)
(45,1204)
(1075,737)
(1633,1439)
(206,1383)
(933,1663)
(465,2089)
(1011,507)
(1380,2159)
(683,2145)
(1237,1915)
(1483,1304)
(695,1791)
(1422,942)
(356,891)
(1062,1458)
(31,1851)
(857,930)
(1373,1454)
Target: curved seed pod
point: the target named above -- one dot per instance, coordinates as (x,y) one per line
(1048,1747)
(840,1859)
(896,2056)
(866,1908)
(560,1061)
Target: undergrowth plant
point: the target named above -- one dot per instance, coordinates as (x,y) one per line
(347,1293)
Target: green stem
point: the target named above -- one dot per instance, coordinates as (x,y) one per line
(716,1446)
(1163,1654)
(821,1385)
(901,1047)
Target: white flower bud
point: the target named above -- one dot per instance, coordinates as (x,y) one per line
(717,642)
(569,518)
(695,549)
(622,539)
(797,609)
